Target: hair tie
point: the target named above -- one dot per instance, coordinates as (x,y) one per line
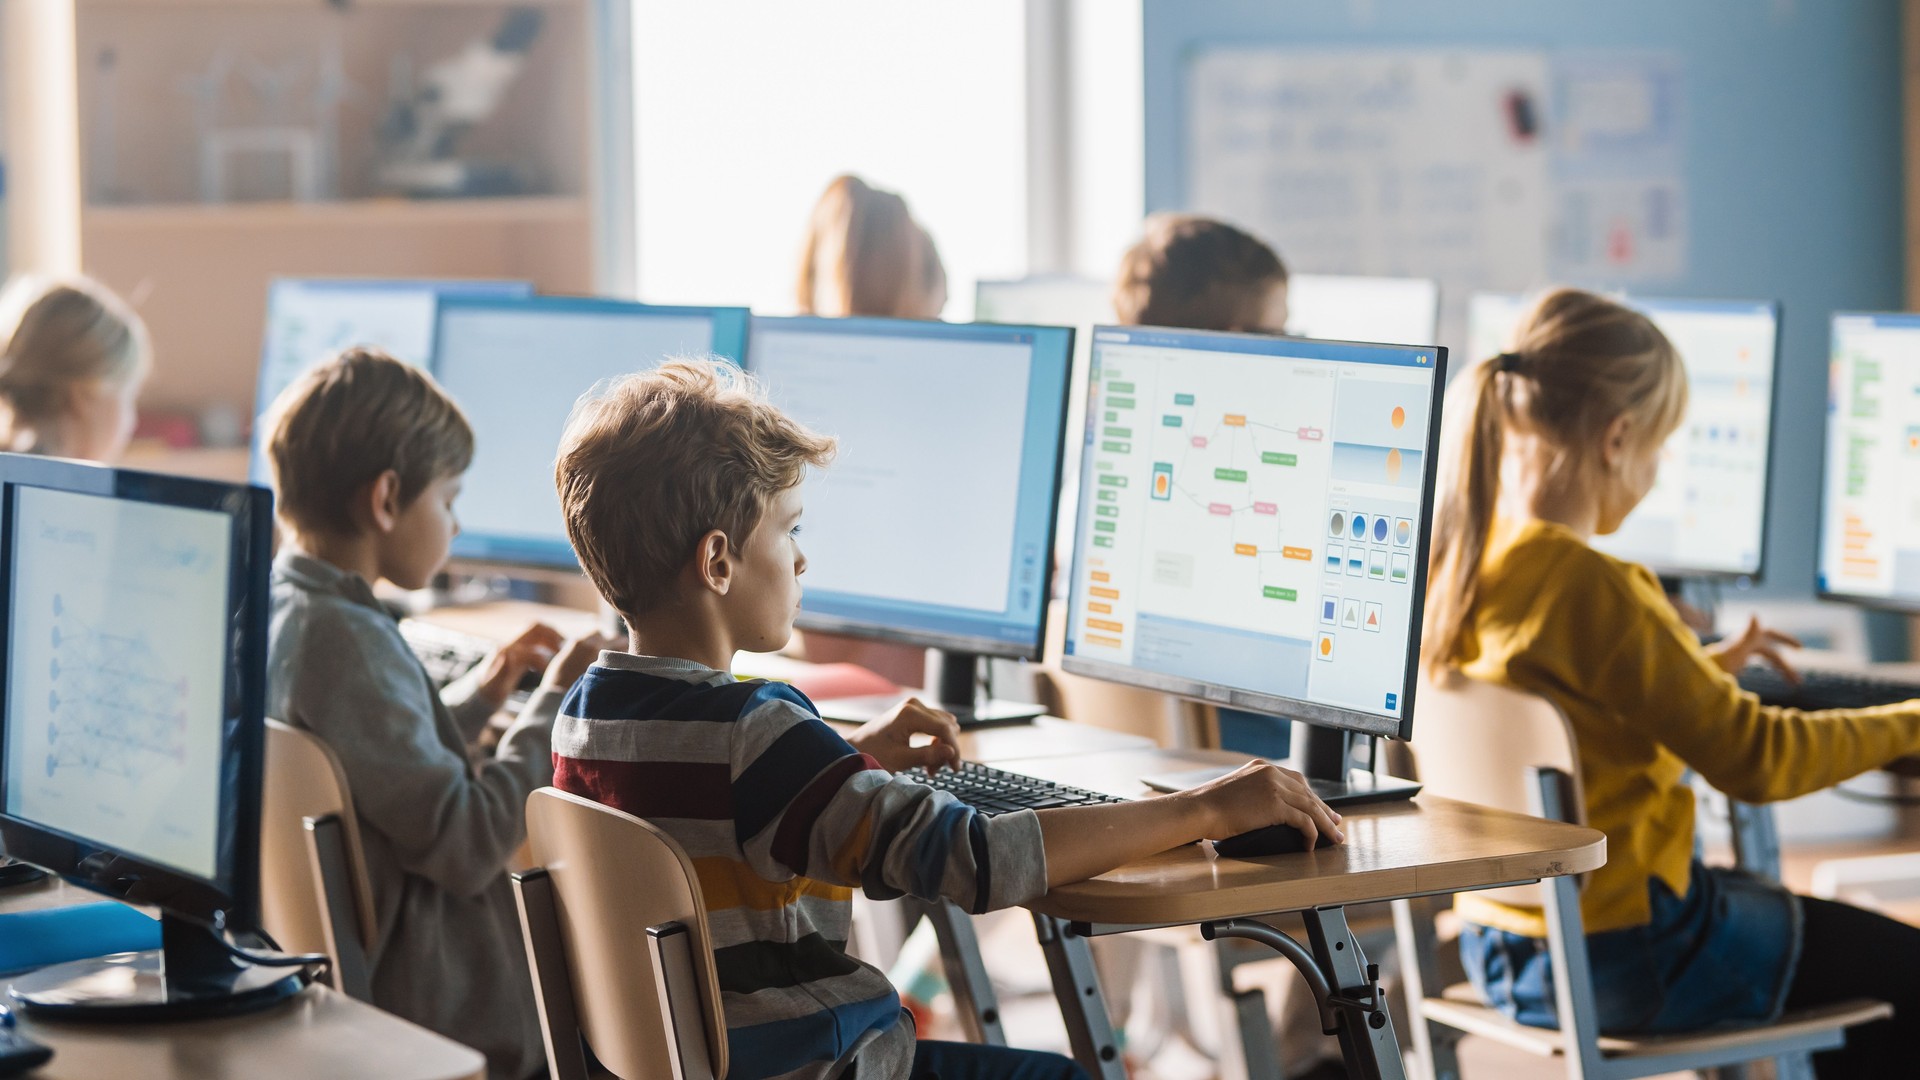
(1507,362)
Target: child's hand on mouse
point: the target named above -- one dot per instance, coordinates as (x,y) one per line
(1259,794)
(889,740)
(533,650)
(575,657)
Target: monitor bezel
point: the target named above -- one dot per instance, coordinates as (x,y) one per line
(1348,719)
(980,645)
(231,898)
(1678,571)
(1820,590)
(729,342)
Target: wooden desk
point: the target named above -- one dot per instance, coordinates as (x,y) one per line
(1393,851)
(320,1035)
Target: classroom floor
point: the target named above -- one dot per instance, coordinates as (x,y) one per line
(1159,1053)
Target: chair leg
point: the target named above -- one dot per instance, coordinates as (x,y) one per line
(1436,1045)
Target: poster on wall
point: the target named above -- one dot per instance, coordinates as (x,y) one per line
(1618,173)
(1415,163)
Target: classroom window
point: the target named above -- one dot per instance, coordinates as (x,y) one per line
(744,109)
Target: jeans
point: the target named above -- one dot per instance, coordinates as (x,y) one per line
(965,1061)
(1724,953)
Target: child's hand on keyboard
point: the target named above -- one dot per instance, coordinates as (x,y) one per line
(889,740)
(532,651)
(576,656)
(1757,642)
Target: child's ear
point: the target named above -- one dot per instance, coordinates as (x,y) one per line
(382,501)
(713,562)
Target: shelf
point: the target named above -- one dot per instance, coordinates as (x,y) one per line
(380,212)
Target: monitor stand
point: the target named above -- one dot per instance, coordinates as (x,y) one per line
(1325,758)
(191,975)
(953,680)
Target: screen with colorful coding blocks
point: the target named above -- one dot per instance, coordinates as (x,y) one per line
(1256,523)
(1870,493)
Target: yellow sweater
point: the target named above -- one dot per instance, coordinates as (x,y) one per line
(1597,637)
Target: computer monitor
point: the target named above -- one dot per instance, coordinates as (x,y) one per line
(1337,307)
(1261,540)
(1055,300)
(135,636)
(934,525)
(311,319)
(1869,519)
(517,367)
(1706,515)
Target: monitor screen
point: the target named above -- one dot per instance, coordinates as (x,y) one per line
(1055,300)
(1869,512)
(116,673)
(1706,514)
(934,524)
(517,367)
(1260,537)
(310,320)
(1336,307)
(133,684)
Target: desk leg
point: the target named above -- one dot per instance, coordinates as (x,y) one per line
(1077,987)
(967,975)
(1371,1050)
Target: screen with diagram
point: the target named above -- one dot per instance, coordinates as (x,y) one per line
(1706,514)
(1255,517)
(117,642)
(1870,493)
(934,518)
(309,321)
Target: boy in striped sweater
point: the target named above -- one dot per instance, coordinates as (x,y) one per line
(681,490)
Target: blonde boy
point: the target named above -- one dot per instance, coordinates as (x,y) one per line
(681,490)
(367,455)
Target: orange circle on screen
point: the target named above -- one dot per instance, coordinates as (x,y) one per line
(1326,646)
(1393,466)
(1399,417)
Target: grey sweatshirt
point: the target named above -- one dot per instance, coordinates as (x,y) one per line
(438,821)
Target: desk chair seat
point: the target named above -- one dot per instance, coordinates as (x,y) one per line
(1515,751)
(617,939)
(314,892)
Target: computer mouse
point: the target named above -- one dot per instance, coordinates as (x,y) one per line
(1272,840)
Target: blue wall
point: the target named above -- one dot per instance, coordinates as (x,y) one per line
(1793,157)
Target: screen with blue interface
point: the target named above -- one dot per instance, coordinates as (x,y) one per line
(1870,491)
(933,524)
(310,320)
(517,368)
(1336,307)
(1707,512)
(1256,527)
(117,638)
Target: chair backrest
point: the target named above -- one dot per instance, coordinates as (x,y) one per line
(614,876)
(303,782)
(1478,742)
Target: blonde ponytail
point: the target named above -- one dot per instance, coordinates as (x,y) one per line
(1579,362)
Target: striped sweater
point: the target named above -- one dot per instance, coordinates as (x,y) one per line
(782,818)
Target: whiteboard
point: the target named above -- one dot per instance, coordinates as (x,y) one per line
(1397,162)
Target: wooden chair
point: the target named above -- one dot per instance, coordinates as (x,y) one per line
(618,943)
(1499,747)
(314,893)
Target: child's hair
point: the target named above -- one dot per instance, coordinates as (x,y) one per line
(55,334)
(865,255)
(1198,273)
(341,425)
(1578,362)
(652,462)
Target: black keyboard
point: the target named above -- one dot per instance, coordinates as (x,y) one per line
(993,791)
(449,654)
(1826,689)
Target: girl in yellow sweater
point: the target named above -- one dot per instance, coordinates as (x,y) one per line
(1559,441)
